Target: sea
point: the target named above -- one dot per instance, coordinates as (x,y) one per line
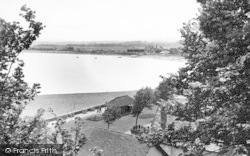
(70,82)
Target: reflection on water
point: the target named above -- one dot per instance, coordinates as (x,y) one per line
(71,73)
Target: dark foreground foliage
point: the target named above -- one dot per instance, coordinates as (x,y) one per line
(216,80)
(15,93)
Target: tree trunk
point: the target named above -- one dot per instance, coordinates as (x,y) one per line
(108,125)
(163,117)
(136,120)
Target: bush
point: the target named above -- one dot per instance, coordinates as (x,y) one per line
(138,129)
(95,118)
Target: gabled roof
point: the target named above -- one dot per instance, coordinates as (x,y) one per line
(112,143)
(120,101)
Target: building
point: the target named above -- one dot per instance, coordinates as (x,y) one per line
(124,102)
(136,50)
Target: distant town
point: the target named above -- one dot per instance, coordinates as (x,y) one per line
(109,48)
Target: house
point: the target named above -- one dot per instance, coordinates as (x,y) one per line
(164,52)
(124,102)
(136,50)
(112,143)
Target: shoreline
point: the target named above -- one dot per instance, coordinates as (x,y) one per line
(104,54)
(64,104)
(86,93)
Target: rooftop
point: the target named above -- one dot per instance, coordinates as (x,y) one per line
(120,101)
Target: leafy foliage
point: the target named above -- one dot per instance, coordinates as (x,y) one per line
(166,88)
(138,129)
(96,151)
(72,139)
(15,92)
(111,114)
(144,98)
(218,72)
(216,79)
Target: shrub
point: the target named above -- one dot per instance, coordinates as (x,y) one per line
(95,118)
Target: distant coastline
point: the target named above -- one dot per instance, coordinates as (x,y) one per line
(100,53)
(137,48)
(80,52)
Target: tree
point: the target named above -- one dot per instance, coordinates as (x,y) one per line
(111,114)
(216,80)
(15,92)
(218,73)
(144,98)
(72,139)
(166,88)
(174,51)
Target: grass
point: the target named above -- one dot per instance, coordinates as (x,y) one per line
(123,124)
(95,118)
(112,143)
(146,116)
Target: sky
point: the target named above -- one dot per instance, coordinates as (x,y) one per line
(105,20)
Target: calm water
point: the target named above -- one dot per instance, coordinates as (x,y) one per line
(71,73)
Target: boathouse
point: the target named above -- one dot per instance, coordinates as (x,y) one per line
(124,102)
